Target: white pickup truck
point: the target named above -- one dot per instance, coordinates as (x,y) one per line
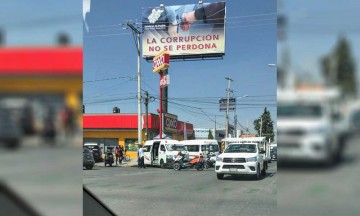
(241,158)
(309,126)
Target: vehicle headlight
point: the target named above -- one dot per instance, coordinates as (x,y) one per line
(218,158)
(252,159)
(169,156)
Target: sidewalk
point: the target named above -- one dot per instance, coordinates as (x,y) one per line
(131,163)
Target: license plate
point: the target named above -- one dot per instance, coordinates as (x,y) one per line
(233,170)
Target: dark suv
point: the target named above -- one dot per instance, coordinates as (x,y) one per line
(88,160)
(10,132)
(96,151)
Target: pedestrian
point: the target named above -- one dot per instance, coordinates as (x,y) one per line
(121,154)
(117,154)
(138,158)
(141,157)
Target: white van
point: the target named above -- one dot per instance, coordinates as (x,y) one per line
(203,146)
(162,152)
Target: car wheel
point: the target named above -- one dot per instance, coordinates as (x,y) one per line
(219,176)
(263,172)
(257,175)
(162,164)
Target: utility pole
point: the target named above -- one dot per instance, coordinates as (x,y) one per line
(146,117)
(215,129)
(235,124)
(137,32)
(227,107)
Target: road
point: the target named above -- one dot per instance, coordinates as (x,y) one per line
(47,177)
(155,191)
(318,191)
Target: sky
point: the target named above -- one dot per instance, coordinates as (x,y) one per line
(37,22)
(313,30)
(110,65)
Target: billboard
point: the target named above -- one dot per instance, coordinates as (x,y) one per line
(185,31)
(222,104)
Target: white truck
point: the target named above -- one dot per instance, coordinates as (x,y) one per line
(162,152)
(309,126)
(242,156)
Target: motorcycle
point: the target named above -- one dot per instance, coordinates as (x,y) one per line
(178,163)
(198,163)
(109,158)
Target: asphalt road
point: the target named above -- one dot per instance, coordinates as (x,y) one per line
(311,190)
(155,191)
(47,178)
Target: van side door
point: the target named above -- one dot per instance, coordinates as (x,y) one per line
(147,154)
(162,153)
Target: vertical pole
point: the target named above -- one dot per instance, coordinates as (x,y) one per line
(134,29)
(261,126)
(147,113)
(185,134)
(215,129)
(139,92)
(227,107)
(161,102)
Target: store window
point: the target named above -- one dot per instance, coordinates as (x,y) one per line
(131,145)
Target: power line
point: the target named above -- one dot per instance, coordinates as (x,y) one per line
(107,79)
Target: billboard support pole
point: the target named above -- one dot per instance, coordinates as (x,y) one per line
(161,102)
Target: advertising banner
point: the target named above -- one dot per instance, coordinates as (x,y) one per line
(170,123)
(184,30)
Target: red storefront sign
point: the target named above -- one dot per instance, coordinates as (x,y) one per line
(161,61)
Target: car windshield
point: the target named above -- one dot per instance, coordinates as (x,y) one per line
(211,148)
(174,147)
(241,148)
(299,110)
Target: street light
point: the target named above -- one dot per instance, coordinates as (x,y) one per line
(235,116)
(272,65)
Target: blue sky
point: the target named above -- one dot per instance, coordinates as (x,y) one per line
(314,28)
(37,22)
(196,86)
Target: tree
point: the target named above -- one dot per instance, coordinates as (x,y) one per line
(267,129)
(210,136)
(339,69)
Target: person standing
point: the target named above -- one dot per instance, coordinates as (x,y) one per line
(121,154)
(141,157)
(117,154)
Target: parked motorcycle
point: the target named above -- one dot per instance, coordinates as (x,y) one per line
(109,158)
(198,163)
(179,162)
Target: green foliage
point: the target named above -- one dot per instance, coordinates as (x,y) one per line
(267,129)
(339,68)
(210,136)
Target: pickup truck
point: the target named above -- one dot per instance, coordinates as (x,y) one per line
(241,158)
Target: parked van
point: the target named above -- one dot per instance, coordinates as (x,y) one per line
(162,152)
(204,146)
